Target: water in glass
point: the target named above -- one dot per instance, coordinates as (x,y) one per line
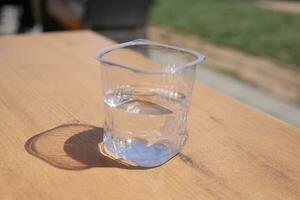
(145,126)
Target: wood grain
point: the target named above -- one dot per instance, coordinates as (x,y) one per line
(233,151)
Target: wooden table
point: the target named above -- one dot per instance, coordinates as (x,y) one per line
(233,150)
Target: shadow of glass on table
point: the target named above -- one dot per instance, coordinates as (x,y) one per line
(73,147)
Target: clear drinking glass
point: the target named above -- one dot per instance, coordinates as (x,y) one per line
(147,89)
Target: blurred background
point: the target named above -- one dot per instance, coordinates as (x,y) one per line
(252,46)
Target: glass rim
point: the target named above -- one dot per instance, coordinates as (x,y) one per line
(199,58)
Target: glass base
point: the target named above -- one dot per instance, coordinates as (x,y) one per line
(136,152)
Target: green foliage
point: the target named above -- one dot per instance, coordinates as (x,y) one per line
(235,24)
